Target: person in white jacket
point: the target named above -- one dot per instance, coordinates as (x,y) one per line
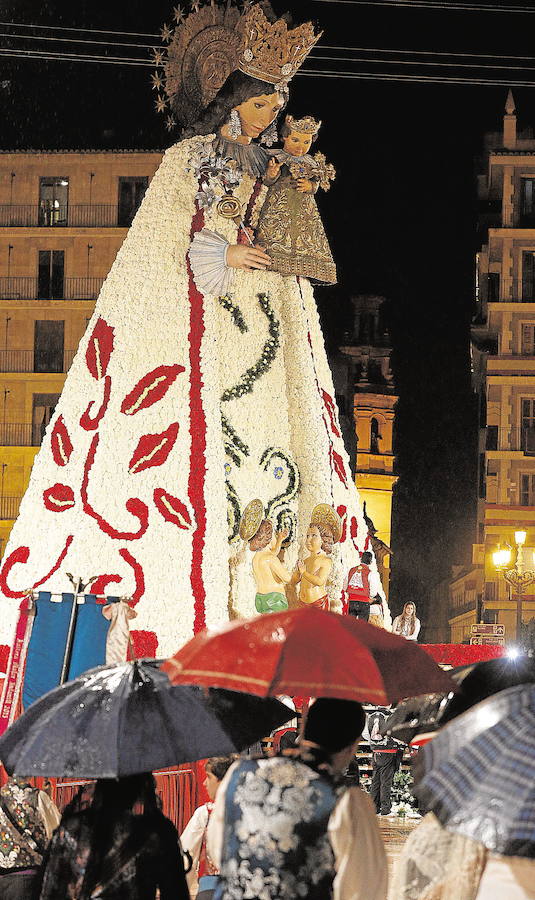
(202,874)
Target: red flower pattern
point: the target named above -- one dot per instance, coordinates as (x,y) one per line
(139,589)
(153,449)
(59,498)
(22,555)
(61,443)
(101,583)
(151,388)
(99,349)
(135,506)
(172,509)
(88,422)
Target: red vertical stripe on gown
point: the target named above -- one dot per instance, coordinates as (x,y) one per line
(197,462)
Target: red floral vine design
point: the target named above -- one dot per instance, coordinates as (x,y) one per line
(171,508)
(135,506)
(342,512)
(197,427)
(101,583)
(61,443)
(151,388)
(153,449)
(331,412)
(58,498)
(88,422)
(21,555)
(139,575)
(99,349)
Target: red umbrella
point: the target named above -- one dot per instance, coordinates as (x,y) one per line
(307,651)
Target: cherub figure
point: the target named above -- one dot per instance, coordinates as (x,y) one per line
(290,229)
(269,573)
(313,572)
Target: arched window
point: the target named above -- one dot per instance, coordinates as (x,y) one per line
(374,436)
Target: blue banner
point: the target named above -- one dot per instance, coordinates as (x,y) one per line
(48,641)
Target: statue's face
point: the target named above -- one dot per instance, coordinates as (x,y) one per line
(410,609)
(313,539)
(327,542)
(297,143)
(257,113)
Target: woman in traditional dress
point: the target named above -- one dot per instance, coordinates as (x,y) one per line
(202,380)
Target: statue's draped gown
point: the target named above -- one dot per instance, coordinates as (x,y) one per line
(179,408)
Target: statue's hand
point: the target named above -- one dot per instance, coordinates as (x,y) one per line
(240,256)
(304,186)
(273,168)
(300,566)
(282,535)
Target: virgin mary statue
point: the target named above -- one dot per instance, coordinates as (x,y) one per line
(202,381)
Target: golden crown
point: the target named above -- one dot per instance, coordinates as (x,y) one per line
(306,125)
(271,51)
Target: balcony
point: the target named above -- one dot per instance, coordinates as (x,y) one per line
(36,361)
(21,434)
(83,215)
(26,287)
(506,439)
(9,507)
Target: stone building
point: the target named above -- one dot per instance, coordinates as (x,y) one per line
(63,217)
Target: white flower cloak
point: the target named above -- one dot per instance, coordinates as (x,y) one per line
(178,410)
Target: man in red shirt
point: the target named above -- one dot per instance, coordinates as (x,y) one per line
(362,587)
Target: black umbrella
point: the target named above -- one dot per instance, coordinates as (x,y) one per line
(123,719)
(425,714)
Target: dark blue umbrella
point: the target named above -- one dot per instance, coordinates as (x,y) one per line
(478,773)
(118,720)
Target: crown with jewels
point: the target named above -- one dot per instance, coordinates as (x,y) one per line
(306,125)
(273,52)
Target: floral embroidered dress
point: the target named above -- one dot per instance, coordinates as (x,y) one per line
(181,405)
(276,843)
(23,834)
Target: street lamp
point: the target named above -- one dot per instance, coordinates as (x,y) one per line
(518,578)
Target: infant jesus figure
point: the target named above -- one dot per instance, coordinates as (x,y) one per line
(290,229)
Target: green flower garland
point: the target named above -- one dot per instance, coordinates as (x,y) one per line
(234,439)
(269,351)
(233,512)
(235,313)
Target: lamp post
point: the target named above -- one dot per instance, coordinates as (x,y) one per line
(518,578)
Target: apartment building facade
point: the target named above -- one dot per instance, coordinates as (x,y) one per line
(63,217)
(503,368)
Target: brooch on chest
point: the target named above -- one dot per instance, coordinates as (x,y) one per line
(218,176)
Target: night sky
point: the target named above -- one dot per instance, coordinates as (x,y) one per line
(401,215)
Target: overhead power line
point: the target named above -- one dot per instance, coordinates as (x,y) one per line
(428,79)
(429,4)
(70,40)
(311,73)
(75,57)
(81,30)
(411,62)
(455,53)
